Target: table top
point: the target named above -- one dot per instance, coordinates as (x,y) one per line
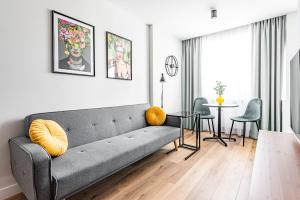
(183,114)
(222,106)
(276,171)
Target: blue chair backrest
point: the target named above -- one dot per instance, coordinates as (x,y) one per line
(199,107)
(253,110)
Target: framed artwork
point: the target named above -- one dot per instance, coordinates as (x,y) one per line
(118,57)
(73,46)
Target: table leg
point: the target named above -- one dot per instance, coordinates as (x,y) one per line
(219,136)
(219,122)
(197,147)
(220,126)
(197,132)
(180,138)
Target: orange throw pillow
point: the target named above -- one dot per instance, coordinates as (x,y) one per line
(50,135)
(155,116)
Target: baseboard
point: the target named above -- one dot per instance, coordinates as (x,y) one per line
(9,191)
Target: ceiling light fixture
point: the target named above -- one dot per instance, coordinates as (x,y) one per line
(214,13)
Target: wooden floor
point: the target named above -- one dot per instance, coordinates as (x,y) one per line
(215,172)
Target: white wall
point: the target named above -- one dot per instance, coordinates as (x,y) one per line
(26,83)
(292,46)
(165,44)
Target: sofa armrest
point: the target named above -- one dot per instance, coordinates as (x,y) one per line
(172,121)
(31,167)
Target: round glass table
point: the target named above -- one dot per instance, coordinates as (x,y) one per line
(219,135)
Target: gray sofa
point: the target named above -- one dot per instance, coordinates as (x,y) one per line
(102,141)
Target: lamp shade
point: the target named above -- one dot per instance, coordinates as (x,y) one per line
(162,78)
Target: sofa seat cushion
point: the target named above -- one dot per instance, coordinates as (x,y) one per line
(84,165)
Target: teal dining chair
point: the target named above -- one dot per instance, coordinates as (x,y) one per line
(204,112)
(252,114)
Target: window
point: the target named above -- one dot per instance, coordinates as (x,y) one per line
(226,57)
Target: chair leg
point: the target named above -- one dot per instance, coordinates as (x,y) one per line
(208,126)
(231,130)
(257,125)
(213,126)
(194,125)
(244,133)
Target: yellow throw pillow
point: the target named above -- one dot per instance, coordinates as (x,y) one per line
(50,135)
(155,116)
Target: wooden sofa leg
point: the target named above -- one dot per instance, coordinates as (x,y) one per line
(175,144)
(175,149)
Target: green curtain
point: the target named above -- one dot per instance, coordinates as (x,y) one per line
(190,75)
(268,51)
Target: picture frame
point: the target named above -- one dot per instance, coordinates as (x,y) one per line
(118,57)
(73,46)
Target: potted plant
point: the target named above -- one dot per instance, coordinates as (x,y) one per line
(220,88)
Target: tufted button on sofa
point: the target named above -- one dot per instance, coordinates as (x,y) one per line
(102,141)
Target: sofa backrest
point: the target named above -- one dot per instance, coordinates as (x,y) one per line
(88,125)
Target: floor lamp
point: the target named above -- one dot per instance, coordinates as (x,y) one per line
(162,80)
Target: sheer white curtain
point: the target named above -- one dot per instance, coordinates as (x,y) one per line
(226,57)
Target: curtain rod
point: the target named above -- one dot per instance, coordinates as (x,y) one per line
(209,34)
